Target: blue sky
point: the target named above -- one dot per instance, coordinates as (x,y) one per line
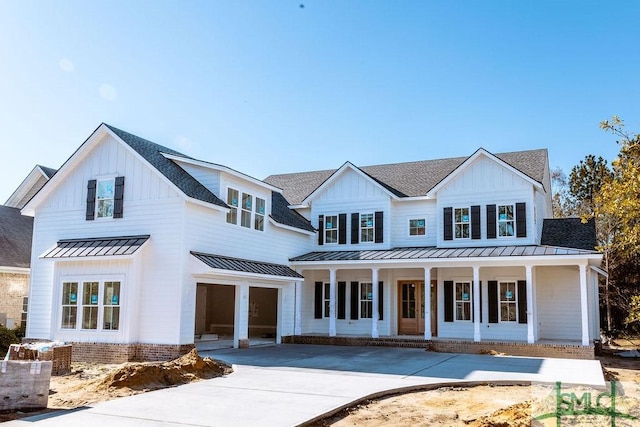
(282,86)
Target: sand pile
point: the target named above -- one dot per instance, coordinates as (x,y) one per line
(518,415)
(149,376)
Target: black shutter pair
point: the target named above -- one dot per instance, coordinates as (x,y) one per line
(493,301)
(475,222)
(118,198)
(378,228)
(319,300)
(342,229)
(521,221)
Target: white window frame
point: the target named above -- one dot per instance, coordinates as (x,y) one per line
(112,180)
(326,300)
(258,220)
(367,230)
(505,221)
(249,216)
(418,227)
(503,300)
(365,306)
(246,210)
(25,310)
(330,231)
(462,300)
(462,223)
(101,306)
(234,203)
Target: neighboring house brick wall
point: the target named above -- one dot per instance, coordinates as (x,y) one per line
(13,288)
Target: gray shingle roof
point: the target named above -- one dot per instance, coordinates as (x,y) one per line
(48,171)
(569,232)
(152,153)
(281,214)
(15,238)
(409,179)
(245,265)
(96,247)
(437,253)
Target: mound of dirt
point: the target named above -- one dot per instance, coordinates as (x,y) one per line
(150,376)
(518,415)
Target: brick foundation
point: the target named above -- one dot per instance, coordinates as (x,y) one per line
(99,352)
(565,351)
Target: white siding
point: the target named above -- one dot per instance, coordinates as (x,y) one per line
(486,182)
(207,177)
(558,296)
(402,212)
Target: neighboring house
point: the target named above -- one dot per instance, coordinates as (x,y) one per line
(138,249)
(15,249)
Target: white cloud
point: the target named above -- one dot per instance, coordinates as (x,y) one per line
(183,143)
(66,65)
(108,92)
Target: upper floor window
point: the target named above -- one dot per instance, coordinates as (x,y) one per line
(417,227)
(462,223)
(252,209)
(105,198)
(366,228)
(331,229)
(506,221)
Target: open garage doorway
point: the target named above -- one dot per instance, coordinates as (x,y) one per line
(263,315)
(214,323)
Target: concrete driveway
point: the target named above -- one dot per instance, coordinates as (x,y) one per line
(290,384)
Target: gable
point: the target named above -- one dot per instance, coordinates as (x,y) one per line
(350,185)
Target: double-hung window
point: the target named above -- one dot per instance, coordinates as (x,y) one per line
(463,300)
(366,227)
(331,229)
(327,299)
(91,305)
(259,215)
(462,223)
(508,300)
(245,220)
(232,201)
(417,227)
(104,197)
(25,307)
(366,300)
(506,221)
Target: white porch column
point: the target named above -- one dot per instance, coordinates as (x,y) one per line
(297,330)
(530,308)
(427,303)
(584,308)
(241,317)
(375,314)
(332,302)
(476,303)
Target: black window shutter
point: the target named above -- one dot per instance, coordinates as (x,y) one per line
(91,200)
(521,220)
(493,301)
(448,301)
(342,300)
(320,229)
(355,228)
(354,300)
(480,301)
(448,227)
(342,229)
(522,301)
(380,300)
(318,303)
(491,222)
(118,197)
(379,227)
(475,222)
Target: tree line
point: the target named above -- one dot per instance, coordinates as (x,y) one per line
(610,196)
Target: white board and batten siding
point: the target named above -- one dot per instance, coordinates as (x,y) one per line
(558,303)
(151,206)
(485,182)
(350,193)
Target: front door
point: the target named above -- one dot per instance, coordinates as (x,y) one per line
(411,307)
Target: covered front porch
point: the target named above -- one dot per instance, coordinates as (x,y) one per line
(482,299)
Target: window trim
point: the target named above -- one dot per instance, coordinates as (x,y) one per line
(513,301)
(335,229)
(100,179)
(363,299)
(512,221)
(371,229)
(326,300)
(424,226)
(457,282)
(240,211)
(81,280)
(467,223)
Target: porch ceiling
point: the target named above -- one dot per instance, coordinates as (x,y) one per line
(440,253)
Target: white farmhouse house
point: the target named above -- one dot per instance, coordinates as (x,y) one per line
(138,250)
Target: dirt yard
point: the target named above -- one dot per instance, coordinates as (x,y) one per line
(479,406)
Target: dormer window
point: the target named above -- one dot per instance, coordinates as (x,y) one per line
(246,210)
(462,223)
(232,201)
(252,209)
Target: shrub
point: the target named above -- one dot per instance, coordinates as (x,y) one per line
(7,337)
